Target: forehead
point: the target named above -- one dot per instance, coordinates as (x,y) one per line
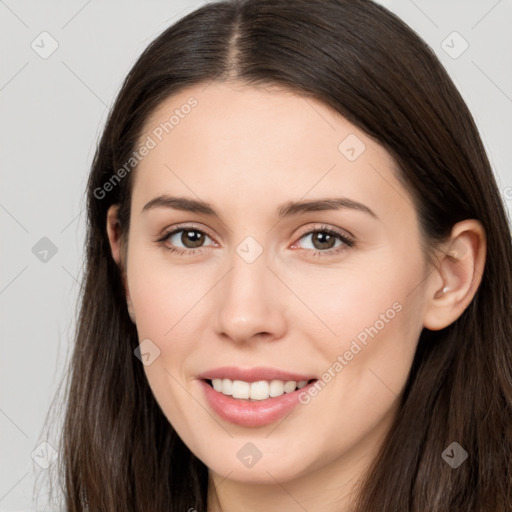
(240,142)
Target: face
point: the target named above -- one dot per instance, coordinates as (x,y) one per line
(267,290)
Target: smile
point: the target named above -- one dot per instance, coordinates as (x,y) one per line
(251,412)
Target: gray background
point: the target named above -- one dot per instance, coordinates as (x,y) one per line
(52,113)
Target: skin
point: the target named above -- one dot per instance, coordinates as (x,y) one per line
(246,151)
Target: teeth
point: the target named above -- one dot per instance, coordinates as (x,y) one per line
(290,386)
(260,390)
(241,389)
(227,387)
(276,388)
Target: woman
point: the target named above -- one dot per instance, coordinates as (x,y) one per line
(298,277)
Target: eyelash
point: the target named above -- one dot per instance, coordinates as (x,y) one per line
(347,241)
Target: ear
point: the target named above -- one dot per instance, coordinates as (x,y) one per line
(457,277)
(114,237)
(114,233)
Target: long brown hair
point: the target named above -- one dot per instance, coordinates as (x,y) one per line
(119,452)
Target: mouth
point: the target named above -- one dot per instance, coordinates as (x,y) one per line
(255,396)
(258,390)
(256,403)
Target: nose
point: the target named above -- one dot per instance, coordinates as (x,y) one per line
(250,302)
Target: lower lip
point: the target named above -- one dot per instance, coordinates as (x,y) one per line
(254,413)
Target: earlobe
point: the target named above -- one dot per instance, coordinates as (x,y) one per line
(129,305)
(460,268)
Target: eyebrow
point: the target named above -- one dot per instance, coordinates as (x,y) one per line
(286,210)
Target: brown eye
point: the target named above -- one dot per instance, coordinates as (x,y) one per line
(192,238)
(323,240)
(185,238)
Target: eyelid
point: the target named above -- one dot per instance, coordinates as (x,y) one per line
(184,226)
(325,227)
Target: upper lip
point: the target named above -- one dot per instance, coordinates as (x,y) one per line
(253,374)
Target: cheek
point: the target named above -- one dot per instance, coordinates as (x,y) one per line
(163,294)
(378,321)
(370,324)
(342,301)
(167,301)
